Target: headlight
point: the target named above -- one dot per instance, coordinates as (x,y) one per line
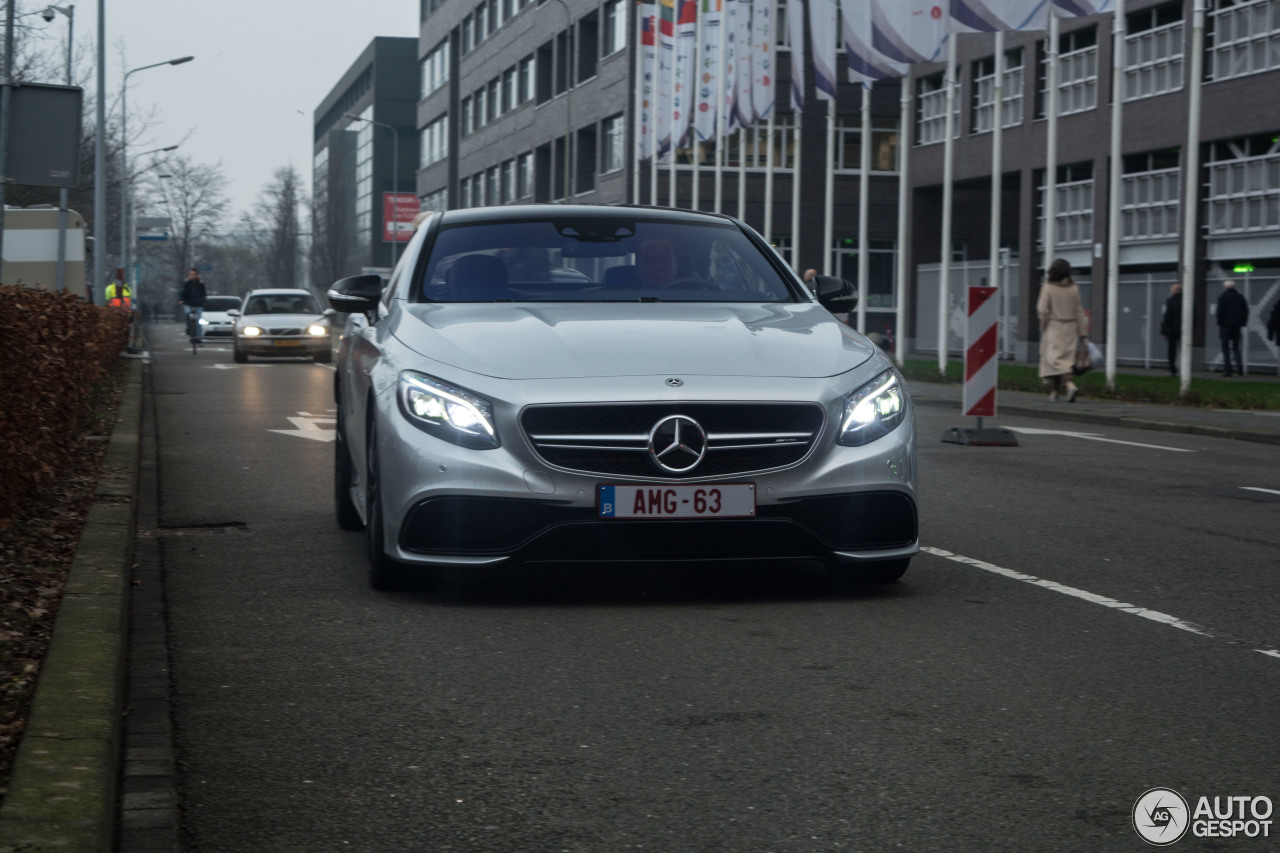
(251,331)
(874,410)
(447,412)
(317,330)
(204,322)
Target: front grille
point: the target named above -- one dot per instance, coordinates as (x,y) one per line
(613,439)
(287,330)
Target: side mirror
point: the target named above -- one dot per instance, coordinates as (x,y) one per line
(234,312)
(357,294)
(329,312)
(835,294)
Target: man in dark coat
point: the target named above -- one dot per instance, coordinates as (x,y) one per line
(191,297)
(1171,325)
(1233,314)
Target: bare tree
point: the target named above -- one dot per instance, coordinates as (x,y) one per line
(279,237)
(194,198)
(331,223)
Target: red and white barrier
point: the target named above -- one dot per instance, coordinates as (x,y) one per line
(980,361)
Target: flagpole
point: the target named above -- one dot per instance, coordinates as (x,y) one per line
(797,115)
(768,162)
(828,219)
(742,172)
(657,101)
(638,123)
(1190,181)
(694,143)
(720,124)
(1051,154)
(1117,187)
(997,171)
(864,207)
(675,81)
(904,196)
(948,172)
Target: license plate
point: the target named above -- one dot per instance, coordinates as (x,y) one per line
(286,343)
(706,500)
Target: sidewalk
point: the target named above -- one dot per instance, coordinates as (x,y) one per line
(1240,424)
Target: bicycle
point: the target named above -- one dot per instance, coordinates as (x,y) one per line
(193,328)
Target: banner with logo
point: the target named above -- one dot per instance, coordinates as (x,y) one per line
(708,69)
(909,30)
(645,82)
(864,63)
(685,87)
(795,34)
(989,16)
(823,35)
(732,9)
(666,75)
(742,45)
(764,32)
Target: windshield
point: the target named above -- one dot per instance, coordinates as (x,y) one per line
(221,303)
(282,303)
(593,260)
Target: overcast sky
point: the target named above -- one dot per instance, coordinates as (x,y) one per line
(261,68)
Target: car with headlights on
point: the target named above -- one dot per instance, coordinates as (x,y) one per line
(613,383)
(216,316)
(282,322)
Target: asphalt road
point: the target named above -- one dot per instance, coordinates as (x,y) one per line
(1090,619)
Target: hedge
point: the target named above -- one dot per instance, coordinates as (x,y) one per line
(54,348)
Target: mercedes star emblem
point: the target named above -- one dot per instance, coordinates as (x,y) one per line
(677,444)
(675,382)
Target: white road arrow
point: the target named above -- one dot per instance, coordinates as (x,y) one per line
(309,427)
(1095,437)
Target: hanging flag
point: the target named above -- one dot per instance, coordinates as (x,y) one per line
(823,35)
(708,53)
(864,63)
(795,34)
(743,59)
(989,16)
(764,33)
(909,30)
(685,91)
(666,75)
(645,82)
(732,9)
(1081,8)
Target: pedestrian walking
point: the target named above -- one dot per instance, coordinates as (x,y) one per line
(1171,325)
(1062,330)
(1233,314)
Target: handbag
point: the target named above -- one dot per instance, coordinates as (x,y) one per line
(1088,357)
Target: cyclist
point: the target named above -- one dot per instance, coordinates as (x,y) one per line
(191,297)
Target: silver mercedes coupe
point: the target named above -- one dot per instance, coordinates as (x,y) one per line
(555,383)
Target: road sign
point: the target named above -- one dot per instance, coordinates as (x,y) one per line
(153,236)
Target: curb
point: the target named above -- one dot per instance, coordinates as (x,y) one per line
(1063,414)
(63,788)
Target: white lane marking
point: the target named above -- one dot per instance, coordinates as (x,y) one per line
(1135,610)
(308,426)
(235,366)
(1091,436)
(1257,489)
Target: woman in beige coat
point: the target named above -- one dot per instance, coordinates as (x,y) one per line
(1062,325)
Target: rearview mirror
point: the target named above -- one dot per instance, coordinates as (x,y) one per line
(835,294)
(357,294)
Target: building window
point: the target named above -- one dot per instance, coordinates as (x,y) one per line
(588,45)
(495,98)
(509,189)
(614,137)
(482,21)
(584,154)
(434,143)
(984,89)
(782,28)
(1244,185)
(509,89)
(464,192)
(524,175)
(1075,205)
(1244,38)
(1149,206)
(435,68)
(1153,52)
(492,187)
(884,146)
(364,182)
(464,110)
(479,108)
(613,33)
(931,110)
(466,36)
(434,201)
(1077,71)
(543,65)
(525,79)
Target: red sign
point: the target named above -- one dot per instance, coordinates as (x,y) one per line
(398,212)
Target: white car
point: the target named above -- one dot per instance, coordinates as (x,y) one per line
(282,322)
(682,397)
(216,318)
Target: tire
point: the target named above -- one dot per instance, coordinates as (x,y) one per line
(344,507)
(386,574)
(238,356)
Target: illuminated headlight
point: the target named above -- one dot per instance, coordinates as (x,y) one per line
(250,331)
(317,330)
(874,410)
(204,322)
(447,412)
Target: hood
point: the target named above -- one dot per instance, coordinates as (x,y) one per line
(579,340)
(276,321)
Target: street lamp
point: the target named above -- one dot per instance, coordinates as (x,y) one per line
(395,182)
(124,156)
(130,212)
(49,14)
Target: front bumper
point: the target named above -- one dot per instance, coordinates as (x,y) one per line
(266,346)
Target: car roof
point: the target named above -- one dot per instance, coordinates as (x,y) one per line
(517,212)
(280,291)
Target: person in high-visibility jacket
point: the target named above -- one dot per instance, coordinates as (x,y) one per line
(119,293)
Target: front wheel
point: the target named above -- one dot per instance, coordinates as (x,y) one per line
(344,507)
(385,573)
